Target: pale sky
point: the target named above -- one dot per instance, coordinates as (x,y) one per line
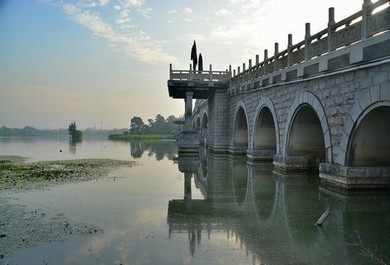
(101,62)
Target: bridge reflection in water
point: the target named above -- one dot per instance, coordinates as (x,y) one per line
(273,216)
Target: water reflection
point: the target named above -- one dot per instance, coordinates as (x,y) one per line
(273,216)
(160,149)
(72,147)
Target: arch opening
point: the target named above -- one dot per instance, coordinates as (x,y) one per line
(203,129)
(370,142)
(197,124)
(265,133)
(205,121)
(241,130)
(306,137)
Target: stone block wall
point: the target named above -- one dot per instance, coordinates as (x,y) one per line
(336,93)
(219,118)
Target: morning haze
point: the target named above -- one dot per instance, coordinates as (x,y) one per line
(114,149)
(102,62)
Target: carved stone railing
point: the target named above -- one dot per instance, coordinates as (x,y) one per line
(374,18)
(194,75)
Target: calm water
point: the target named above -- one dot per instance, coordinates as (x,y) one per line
(196,210)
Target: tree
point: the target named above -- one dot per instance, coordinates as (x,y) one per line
(72,128)
(159,125)
(171,127)
(137,126)
(75,135)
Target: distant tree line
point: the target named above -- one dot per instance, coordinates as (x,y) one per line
(29,131)
(159,125)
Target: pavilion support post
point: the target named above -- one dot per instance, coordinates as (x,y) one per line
(188,111)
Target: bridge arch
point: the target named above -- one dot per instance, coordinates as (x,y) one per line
(365,141)
(240,129)
(204,124)
(307,129)
(194,121)
(265,132)
(204,120)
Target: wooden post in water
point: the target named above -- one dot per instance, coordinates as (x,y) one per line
(324,216)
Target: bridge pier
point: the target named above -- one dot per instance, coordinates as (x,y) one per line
(191,84)
(260,155)
(188,139)
(292,164)
(345,177)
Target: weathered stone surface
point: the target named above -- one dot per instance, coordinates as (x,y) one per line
(339,97)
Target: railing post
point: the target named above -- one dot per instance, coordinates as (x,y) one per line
(307,40)
(365,15)
(234,72)
(249,68)
(170,71)
(238,70)
(265,54)
(211,73)
(257,59)
(276,56)
(331,23)
(230,70)
(289,45)
(243,67)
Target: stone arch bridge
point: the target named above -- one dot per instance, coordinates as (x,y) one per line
(321,104)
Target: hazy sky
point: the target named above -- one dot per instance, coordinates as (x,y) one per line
(100,62)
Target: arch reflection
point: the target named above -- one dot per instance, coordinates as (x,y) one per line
(272,216)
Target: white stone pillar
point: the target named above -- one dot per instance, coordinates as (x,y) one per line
(188,111)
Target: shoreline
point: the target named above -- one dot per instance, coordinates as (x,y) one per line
(17,174)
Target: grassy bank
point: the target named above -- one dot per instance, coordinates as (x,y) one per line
(147,137)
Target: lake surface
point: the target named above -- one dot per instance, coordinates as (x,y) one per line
(206,209)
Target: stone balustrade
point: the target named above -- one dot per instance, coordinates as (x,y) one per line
(374,18)
(195,75)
